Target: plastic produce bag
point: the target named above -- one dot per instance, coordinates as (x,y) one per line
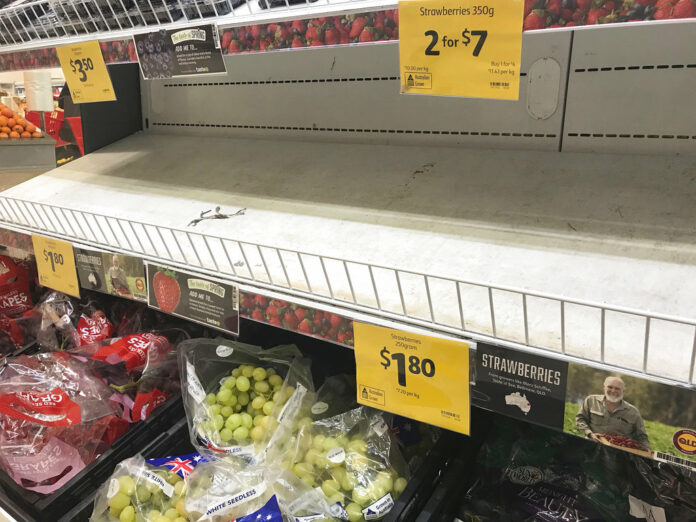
(526,473)
(15,292)
(235,394)
(335,396)
(220,491)
(57,311)
(15,333)
(124,360)
(658,487)
(351,458)
(142,489)
(56,418)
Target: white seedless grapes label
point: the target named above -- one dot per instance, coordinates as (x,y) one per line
(195,388)
(224,505)
(165,486)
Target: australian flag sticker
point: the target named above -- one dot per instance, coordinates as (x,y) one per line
(182,465)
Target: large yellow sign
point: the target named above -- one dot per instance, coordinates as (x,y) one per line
(85,71)
(55,264)
(461,47)
(422,377)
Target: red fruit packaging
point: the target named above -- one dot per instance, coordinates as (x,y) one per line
(56,330)
(156,386)
(15,333)
(123,360)
(55,418)
(15,293)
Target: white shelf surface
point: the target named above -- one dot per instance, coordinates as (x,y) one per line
(612,230)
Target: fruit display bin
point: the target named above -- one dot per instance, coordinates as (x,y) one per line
(169,442)
(175,441)
(27,506)
(29,153)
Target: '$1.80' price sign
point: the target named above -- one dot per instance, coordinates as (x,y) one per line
(418,376)
(416,366)
(461,48)
(55,264)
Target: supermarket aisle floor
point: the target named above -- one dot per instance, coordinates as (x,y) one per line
(10,178)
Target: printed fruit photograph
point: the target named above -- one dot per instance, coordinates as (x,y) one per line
(167,290)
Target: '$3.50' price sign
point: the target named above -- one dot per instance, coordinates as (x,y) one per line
(81,66)
(461,47)
(418,376)
(85,71)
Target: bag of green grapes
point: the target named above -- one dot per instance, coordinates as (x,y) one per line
(235,394)
(352,459)
(220,491)
(152,490)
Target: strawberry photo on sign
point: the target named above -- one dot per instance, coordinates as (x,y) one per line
(166,289)
(200,299)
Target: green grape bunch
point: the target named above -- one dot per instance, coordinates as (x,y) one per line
(346,471)
(134,498)
(240,410)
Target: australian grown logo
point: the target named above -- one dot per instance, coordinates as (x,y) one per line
(685,441)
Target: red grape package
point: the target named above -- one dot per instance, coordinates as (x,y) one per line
(55,418)
(236,395)
(124,360)
(15,292)
(156,385)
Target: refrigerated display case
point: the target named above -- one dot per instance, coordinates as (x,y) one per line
(556,228)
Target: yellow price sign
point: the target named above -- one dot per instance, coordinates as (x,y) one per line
(418,376)
(86,73)
(469,48)
(55,264)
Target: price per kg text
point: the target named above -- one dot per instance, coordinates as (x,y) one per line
(415,366)
(448,42)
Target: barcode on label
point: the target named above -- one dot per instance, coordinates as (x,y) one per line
(500,84)
(666,457)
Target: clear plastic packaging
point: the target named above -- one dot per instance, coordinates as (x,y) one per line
(236,395)
(149,490)
(352,460)
(15,292)
(220,491)
(56,417)
(335,396)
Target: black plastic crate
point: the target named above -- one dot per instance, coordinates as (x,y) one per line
(174,441)
(29,506)
(422,483)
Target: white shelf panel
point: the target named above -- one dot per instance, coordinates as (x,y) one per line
(588,255)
